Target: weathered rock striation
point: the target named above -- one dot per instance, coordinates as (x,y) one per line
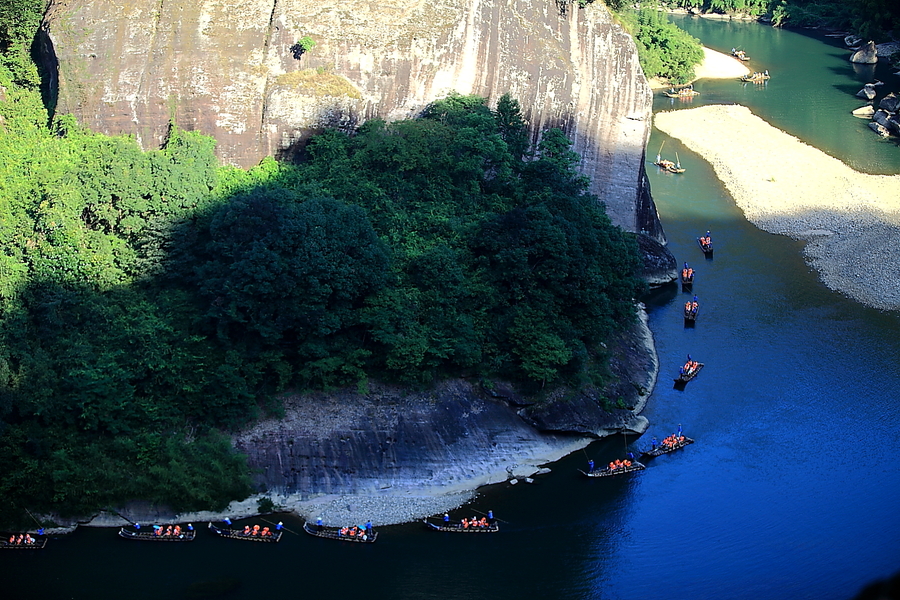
(389,445)
(227,69)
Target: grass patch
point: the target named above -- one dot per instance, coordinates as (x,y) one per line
(318,83)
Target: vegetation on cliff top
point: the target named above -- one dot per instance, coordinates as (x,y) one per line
(150,300)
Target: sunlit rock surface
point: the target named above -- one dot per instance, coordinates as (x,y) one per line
(228,70)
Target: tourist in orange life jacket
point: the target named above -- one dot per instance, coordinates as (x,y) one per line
(12,539)
(246,530)
(612,466)
(265,531)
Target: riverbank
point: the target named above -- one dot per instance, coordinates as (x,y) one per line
(715,65)
(396,458)
(850,220)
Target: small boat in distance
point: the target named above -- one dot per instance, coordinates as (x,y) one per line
(756,77)
(360,535)
(473,525)
(671,443)
(667,165)
(690,370)
(691,308)
(740,55)
(617,467)
(685,92)
(705,242)
(248,534)
(158,533)
(22,541)
(687,277)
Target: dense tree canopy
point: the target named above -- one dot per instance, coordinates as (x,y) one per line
(150,300)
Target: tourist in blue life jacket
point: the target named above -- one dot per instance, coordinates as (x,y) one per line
(369,527)
(653,443)
(590,466)
(319,525)
(446,520)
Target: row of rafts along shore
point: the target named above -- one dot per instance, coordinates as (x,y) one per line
(487,523)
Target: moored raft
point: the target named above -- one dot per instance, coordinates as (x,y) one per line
(334,533)
(158,534)
(234,534)
(19,541)
(459,528)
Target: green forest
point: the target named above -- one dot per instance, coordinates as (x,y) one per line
(153,301)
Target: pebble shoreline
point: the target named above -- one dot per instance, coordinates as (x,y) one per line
(850,220)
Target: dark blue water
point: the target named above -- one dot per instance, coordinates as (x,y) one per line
(790,491)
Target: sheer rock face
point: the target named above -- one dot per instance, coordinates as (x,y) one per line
(454,437)
(227,69)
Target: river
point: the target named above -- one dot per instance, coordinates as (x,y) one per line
(790,490)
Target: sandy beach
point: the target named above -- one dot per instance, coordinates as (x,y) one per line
(850,220)
(715,65)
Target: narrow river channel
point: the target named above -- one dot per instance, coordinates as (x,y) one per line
(790,490)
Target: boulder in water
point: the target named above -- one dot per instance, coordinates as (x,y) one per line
(879,129)
(864,112)
(867,55)
(881,117)
(890,103)
(868,92)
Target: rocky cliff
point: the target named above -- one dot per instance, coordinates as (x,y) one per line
(395,446)
(227,68)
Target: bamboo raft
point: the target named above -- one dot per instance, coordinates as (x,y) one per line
(755,78)
(707,248)
(234,534)
(607,472)
(334,533)
(38,544)
(660,450)
(686,377)
(682,93)
(150,535)
(458,528)
(691,314)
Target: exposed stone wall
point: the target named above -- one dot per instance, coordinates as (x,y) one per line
(454,437)
(226,69)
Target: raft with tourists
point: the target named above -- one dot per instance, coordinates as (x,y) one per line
(248,534)
(667,165)
(691,309)
(687,277)
(486,524)
(705,243)
(158,533)
(688,372)
(756,77)
(616,467)
(685,92)
(22,541)
(360,535)
(740,55)
(674,442)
